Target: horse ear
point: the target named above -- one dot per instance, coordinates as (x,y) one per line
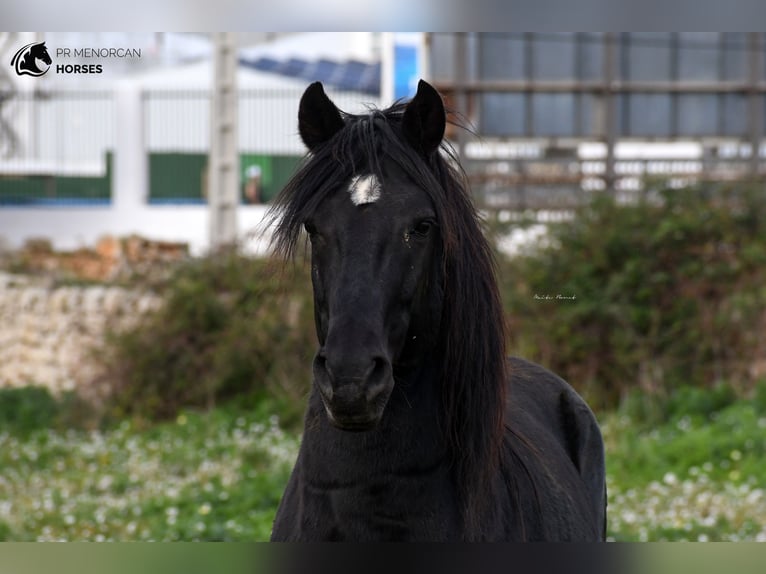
(424,119)
(318,118)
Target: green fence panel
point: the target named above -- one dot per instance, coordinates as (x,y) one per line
(180,177)
(283,167)
(57,189)
(177,177)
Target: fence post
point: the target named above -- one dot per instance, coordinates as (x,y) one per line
(130,175)
(223,170)
(461,94)
(610,123)
(755,62)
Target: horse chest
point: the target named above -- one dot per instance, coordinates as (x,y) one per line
(390,508)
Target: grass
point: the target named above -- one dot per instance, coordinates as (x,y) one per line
(215,476)
(699,475)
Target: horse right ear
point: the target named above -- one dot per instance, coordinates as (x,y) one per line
(318,118)
(424,119)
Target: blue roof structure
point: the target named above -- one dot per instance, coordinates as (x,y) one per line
(352,75)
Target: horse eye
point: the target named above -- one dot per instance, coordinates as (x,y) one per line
(423,228)
(310,229)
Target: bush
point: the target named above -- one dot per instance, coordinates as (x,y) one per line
(668,292)
(659,294)
(646,410)
(229,327)
(27,409)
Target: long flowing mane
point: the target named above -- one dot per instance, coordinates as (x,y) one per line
(472,337)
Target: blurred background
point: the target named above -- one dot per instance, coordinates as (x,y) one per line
(154,361)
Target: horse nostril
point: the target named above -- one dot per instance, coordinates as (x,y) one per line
(378,368)
(322,376)
(334,371)
(320,361)
(378,379)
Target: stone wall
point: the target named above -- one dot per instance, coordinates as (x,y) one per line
(47,333)
(111,258)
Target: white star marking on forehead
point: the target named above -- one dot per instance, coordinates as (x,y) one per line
(364,189)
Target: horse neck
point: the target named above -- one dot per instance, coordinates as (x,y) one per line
(410,433)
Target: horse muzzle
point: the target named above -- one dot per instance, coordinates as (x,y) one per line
(354,392)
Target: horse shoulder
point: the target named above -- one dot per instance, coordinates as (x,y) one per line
(555,406)
(284,528)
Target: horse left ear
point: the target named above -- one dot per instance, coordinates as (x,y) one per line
(424,119)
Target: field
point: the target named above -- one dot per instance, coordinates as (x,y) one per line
(699,475)
(214,476)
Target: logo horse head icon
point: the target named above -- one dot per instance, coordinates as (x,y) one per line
(25,61)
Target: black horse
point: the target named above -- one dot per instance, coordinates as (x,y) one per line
(418,427)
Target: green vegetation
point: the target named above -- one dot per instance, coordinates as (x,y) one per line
(654,310)
(695,475)
(664,292)
(214,476)
(28,409)
(229,327)
(699,475)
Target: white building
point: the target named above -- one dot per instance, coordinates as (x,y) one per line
(66,136)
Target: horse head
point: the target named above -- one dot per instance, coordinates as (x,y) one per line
(375,250)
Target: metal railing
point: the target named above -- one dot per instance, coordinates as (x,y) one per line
(57,147)
(557,93)
(177,135)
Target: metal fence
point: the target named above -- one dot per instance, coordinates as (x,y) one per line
(565,111)
(177,134)
(558,115)
(56,147)
(179,120)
